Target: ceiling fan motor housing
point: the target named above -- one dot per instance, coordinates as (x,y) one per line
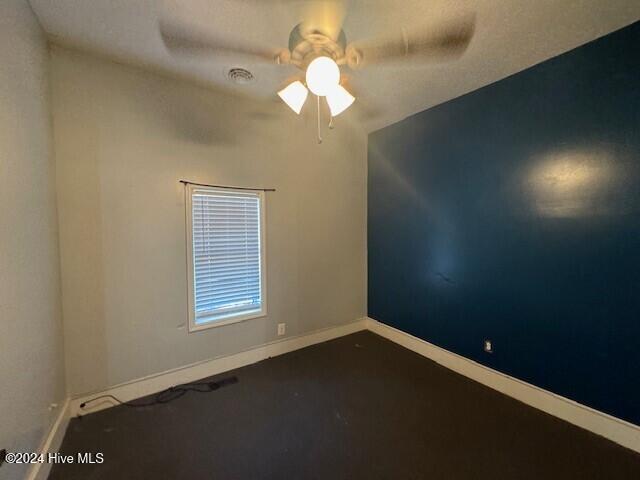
(306,46)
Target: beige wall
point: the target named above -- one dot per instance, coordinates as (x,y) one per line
(31,358)
(123,138)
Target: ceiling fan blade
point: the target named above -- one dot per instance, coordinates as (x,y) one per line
(365,107)
(445,42)
(190,41)
(290,79)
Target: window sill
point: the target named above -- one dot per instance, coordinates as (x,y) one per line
(197,327)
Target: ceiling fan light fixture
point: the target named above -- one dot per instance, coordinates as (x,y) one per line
(339,99)
(294,95)
(323,75)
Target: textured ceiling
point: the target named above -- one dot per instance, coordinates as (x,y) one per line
(511,35)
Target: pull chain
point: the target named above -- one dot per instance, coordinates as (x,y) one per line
(319,132)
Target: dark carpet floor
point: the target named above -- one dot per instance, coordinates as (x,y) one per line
(359,407)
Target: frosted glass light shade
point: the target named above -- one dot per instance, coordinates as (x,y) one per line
(294,95)
(339,100)
(323,74)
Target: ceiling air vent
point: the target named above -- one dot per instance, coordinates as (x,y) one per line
(240,76)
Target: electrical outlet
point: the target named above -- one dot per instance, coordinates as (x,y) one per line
(282,329)
(488,346)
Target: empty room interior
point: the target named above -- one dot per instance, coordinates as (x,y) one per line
(330,239)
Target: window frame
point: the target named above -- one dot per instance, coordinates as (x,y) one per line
(232,318)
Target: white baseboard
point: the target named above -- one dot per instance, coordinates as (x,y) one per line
(612,428)
(51,443)
(190,373)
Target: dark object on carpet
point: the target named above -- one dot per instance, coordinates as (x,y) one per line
(169,394)
(358,407)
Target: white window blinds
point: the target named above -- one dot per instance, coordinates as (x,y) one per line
(227,254)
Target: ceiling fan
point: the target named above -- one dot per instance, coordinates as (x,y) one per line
(318,47)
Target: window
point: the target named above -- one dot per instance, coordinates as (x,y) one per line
(226,256)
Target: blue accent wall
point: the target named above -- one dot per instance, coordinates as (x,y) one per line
(512,214)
